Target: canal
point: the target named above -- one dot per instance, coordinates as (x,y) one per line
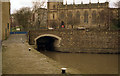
(87,63)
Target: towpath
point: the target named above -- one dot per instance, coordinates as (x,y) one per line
(17,59)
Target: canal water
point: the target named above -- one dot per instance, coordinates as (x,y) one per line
(87,63)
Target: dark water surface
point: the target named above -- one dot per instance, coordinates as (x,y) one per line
(87,63)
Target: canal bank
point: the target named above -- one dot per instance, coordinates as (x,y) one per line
(17,59)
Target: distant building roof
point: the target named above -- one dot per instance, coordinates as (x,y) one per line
(55,0)
(92,5)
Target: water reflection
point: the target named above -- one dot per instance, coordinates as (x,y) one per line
(87,63)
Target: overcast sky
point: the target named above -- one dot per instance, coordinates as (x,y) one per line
(17,4)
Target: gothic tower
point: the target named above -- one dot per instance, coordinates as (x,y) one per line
(53,4)
(53,7)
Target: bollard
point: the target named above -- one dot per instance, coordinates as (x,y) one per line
(87,30)
(29,49)
(63,70)
(21,39)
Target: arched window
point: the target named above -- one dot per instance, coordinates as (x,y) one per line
(70,14)
(53,16)
(70,18)
(85,17)
(94,17)
(102,16)
(53,6)
(77,18)
(78,14)
(62,15)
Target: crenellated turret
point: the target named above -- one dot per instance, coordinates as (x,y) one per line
(107,4)
(53,4)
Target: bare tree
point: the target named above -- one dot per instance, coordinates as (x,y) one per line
(117,20)
(22,16)
(40,13)
(38,4)
(117,4)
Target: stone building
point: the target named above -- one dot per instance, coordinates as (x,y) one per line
(92,15)
(4,18)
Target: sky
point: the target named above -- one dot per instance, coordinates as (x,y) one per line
(17,4)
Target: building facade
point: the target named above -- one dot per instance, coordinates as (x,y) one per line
(92,15)
(5,19)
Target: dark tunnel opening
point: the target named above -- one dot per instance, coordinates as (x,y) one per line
(46,43)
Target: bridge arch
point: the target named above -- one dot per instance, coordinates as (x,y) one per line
(47,42)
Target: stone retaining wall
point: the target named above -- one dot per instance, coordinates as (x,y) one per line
(81,41)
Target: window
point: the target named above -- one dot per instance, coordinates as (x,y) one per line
(70,15)
(53,6)
(77,20)
(85,17)
(70,18)
(94,17)
(53,16)
(102,16)
(8,25)
(62,15)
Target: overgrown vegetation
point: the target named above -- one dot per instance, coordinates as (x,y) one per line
(30,18)
(22,16)
(116,21)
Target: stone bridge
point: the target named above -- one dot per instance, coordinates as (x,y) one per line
(74,40)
